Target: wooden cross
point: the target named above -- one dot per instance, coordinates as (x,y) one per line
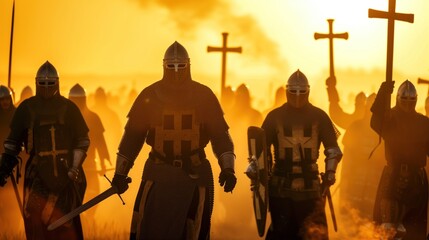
(423,81)
(224,49)
(391,16)
(331,37)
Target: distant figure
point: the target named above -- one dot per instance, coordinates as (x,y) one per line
(54,133)
(7,109)
(9,209)
(110,119)
(242,112)
(402,196)
(357,182)
(227,100)
(360,173)
(129,100)
(240,116)
(77,94)
(337,114)
(279,99)
(26,92)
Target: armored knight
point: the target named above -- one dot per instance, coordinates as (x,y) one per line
(295,130)
(177,117)
(7,109)
(402,196)
(54,134)
(97,152)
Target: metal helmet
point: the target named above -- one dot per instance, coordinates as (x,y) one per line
(5,97)
(47,81)
(297,90)
(100,96)
(406,98)
(78,95)
(242,96)
(176,64)
(5,91)
(77,91)
(26,92)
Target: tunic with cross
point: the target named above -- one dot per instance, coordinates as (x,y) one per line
(296,135)
(50,131)
(177,121)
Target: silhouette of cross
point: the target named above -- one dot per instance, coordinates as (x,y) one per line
(224,49)
(331,37)
(391,16)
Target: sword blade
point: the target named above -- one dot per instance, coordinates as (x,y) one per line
(16,190)
(331,208)
(109,192)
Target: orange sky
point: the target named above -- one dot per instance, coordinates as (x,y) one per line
(124,41)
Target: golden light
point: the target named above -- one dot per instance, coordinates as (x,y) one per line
(119,45)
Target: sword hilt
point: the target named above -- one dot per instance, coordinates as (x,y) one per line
(325,187)
(119,195)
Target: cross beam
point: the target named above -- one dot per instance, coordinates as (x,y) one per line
(224,49)
(423,81)
(331,37)
(391,16)
(54,152)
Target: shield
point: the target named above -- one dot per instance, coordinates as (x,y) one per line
(258,172)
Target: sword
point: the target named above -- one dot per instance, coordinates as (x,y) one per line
(109,192)
(326,194)
(18,198)
(331,208)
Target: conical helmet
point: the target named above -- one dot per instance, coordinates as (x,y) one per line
(297,90)
(406,97)
(77,91)
(176,63)
(47,81)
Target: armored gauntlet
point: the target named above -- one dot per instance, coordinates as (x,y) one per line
(227,178)
(7,163)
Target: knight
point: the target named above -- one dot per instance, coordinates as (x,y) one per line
(296,130)
(402,196)
(177,117)
(53,132)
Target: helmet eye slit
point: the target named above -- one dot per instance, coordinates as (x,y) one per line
(176,65)
(298,91)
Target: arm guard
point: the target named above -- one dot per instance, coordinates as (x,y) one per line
(333,157)
(12,147)
(227,160)
(79,156)
(123,165)
(222,143)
